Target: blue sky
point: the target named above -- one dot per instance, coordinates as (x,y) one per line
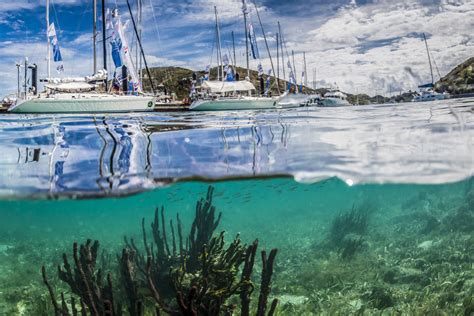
(361,45)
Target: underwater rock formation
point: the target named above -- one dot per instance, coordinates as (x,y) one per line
(199,276)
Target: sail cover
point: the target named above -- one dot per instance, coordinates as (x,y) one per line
(227,86)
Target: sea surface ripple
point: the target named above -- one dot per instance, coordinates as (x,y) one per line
(64,156)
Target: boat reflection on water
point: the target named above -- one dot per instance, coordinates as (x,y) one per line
(113,157)
(96,156)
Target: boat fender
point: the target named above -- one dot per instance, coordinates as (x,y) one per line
(274,103)
(150,104)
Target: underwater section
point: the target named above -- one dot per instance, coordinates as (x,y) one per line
(329,248)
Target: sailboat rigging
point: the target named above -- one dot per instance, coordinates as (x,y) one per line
(79,95)
(427,91)
(228,94)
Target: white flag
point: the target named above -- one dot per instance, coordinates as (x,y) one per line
(51,30)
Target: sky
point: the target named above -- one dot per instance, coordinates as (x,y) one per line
(360,46)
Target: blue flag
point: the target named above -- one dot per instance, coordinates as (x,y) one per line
(116,48)
(260,69)
(253,42)
(230,74)
(56,51)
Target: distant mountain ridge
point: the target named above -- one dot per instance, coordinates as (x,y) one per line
(460,80)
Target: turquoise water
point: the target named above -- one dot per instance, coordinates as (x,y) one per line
(371,208)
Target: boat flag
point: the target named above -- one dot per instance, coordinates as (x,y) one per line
(207,72)
(51,31)
(115,42)
(260,69)
(230,74)
(57,57)
(267,88)
(253,42)
(225,61)
(192,91)
(119,28)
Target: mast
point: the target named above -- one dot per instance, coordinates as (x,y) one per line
(245,11)
(48,58)
(305,71)
(94,34)
(104,42)
(294,65)
(218,69)
(429,58)
(219,48)
(266,44)
(233,49)
(314,79)
(139,57)
(278,57)
(26,74)
(281,48)
(18,65)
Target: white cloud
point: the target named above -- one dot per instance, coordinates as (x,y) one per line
(367,48)
(364,48)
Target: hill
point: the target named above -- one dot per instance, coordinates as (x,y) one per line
(460,80)
(179,80)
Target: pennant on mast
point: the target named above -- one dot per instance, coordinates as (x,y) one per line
(57,57)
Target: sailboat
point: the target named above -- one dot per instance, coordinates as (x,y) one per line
(232,95)
(294,96)
(427,92)
(78,95)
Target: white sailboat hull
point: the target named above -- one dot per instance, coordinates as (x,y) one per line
(227,104)
(430,97)
(85,103)
(333,102)
(293,100)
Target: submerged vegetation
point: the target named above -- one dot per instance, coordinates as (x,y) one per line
(348,231)
(407,251)
(195,276)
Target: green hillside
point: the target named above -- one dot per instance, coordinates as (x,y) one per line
(459,80)
(178,80)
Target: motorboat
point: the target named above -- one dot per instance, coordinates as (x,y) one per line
(334,98)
